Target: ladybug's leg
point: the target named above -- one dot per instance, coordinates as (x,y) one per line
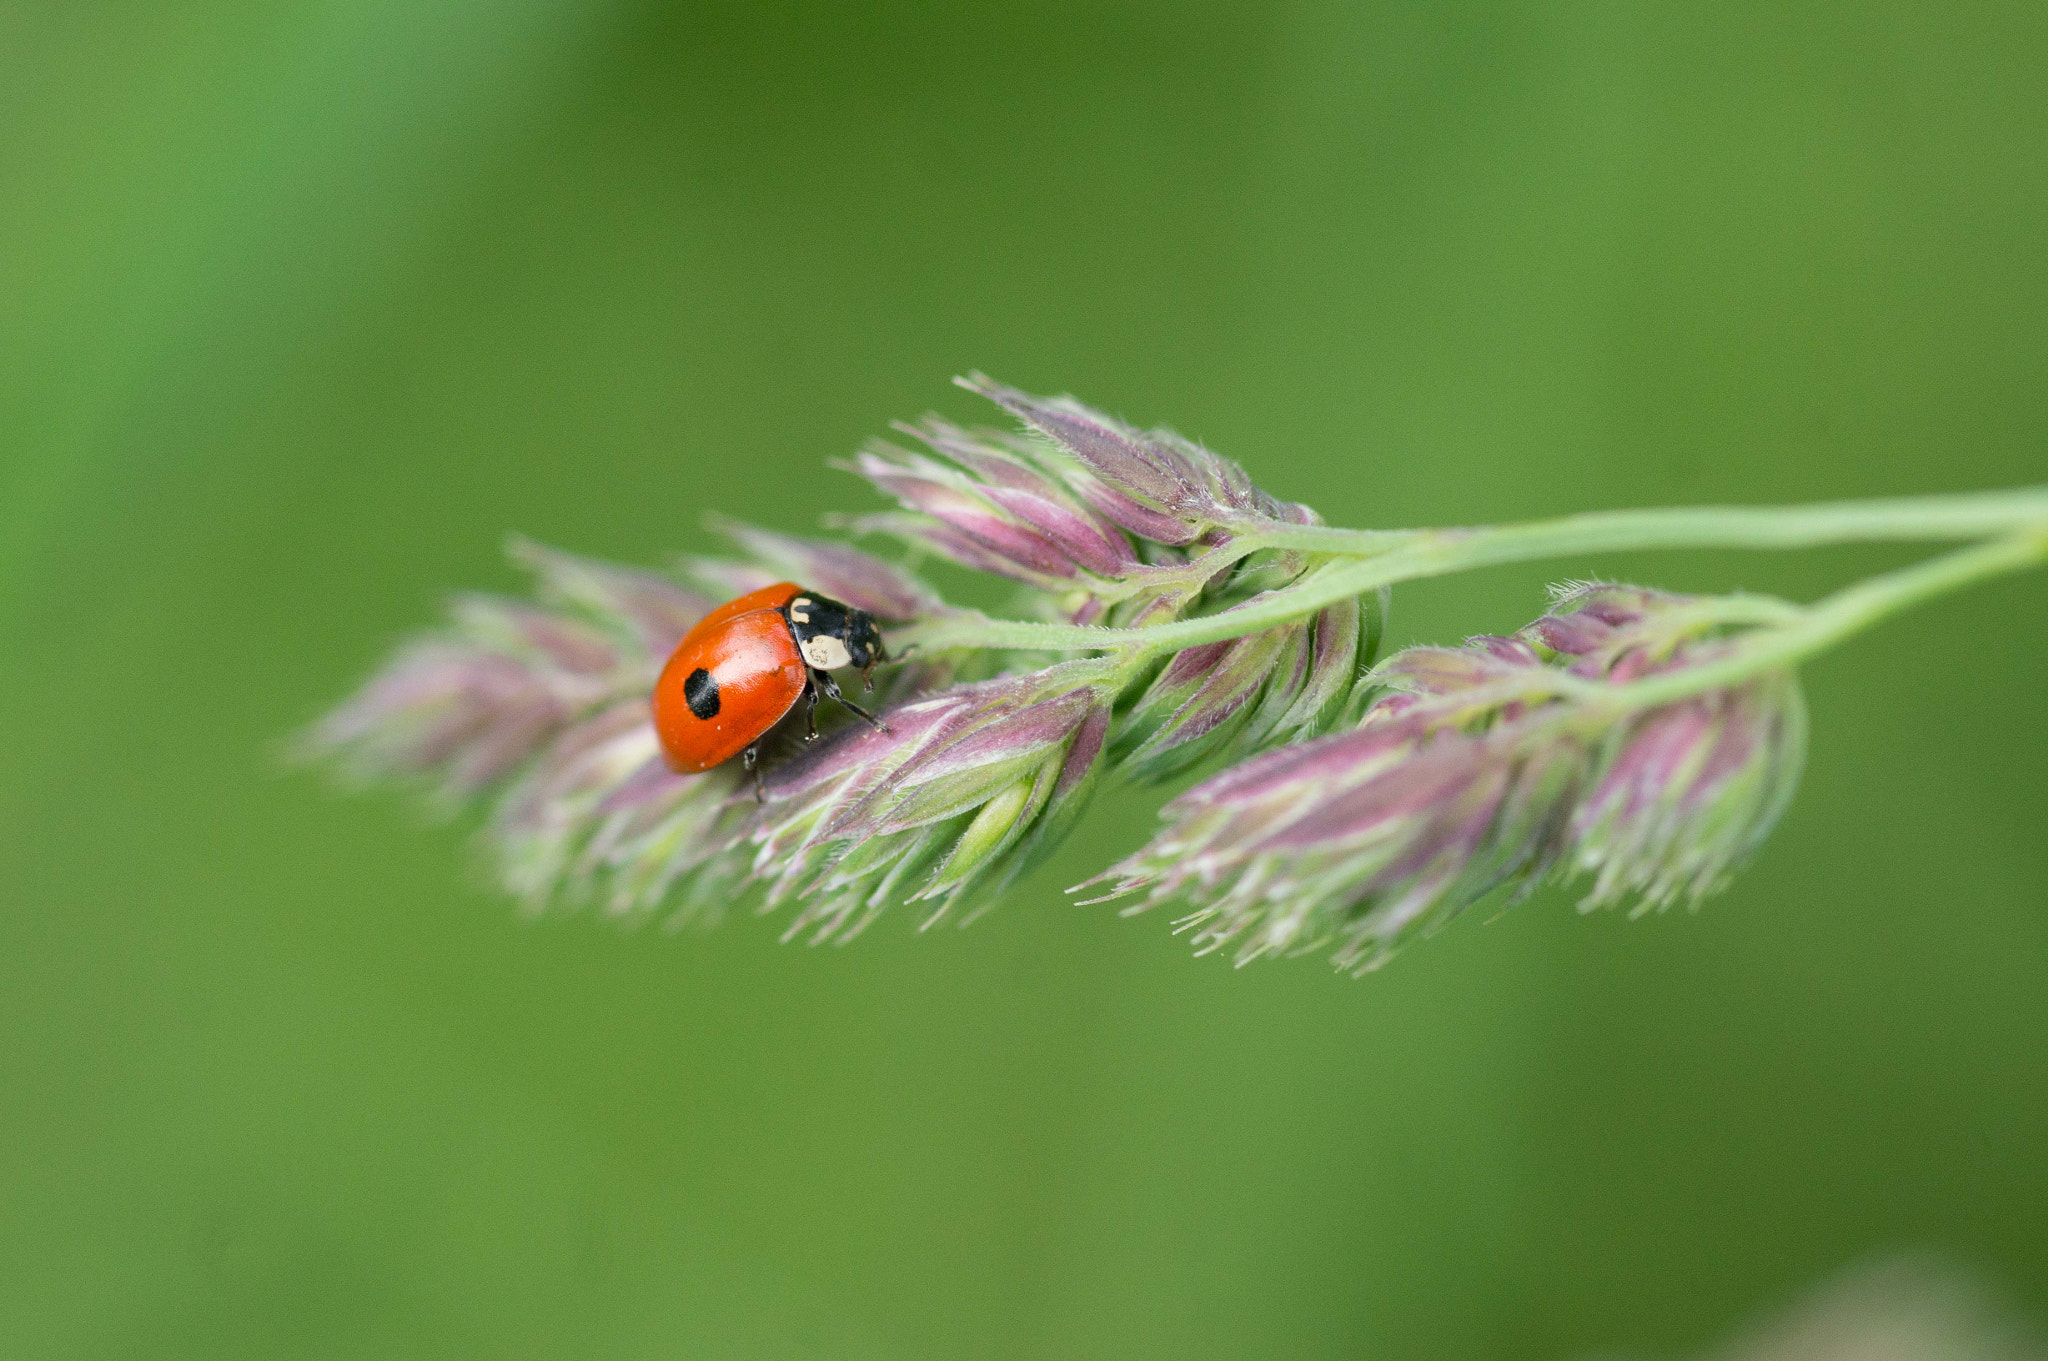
(751,759)
(824,682)
(810,709)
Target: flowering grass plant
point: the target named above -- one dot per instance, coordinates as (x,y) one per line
(1173,616)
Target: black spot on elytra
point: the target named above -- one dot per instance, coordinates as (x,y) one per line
(700,692)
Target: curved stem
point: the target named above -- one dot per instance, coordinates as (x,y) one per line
(1366,560)
(1838,617)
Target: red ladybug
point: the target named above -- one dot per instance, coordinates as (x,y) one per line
(747,663)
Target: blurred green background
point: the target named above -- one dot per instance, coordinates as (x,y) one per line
(307,305)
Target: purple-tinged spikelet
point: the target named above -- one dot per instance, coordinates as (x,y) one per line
(954,800)
(1112,523)
(1350,841)
(463,708)
(1278,685)
(1687,791)
(1154,483)
(1487,765)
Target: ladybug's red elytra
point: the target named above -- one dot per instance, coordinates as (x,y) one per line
(747,663)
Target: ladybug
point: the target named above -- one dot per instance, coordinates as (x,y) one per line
(747,663)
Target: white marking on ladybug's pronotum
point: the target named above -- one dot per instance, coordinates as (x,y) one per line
(827,653)
(800,610)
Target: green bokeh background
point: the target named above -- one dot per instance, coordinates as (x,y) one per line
(306,305)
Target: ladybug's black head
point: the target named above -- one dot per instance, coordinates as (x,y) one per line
(832,635)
